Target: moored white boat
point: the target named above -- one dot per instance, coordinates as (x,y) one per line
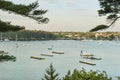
(55,52)
(39,58)
(50,55)
(89,63)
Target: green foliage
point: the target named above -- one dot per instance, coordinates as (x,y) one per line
(118,77)
(7,58)
(76,75)
(32,35)
(111,37)
(84,75)
(6,26)
(28,35)
(9,6)
(99,27)
(30,10)
(111,8)
(50,74)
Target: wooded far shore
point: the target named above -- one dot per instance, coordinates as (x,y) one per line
(32,35)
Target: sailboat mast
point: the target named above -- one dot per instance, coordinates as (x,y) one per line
(16,37)
(1,37)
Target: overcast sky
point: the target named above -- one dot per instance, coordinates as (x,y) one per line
(64,15)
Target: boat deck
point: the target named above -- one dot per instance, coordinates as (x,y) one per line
(89,63)
(47,55)
(54,52)
(39,58)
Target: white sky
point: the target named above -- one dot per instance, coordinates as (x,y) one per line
(64,15)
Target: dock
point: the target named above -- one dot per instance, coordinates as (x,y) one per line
(54,52)
(89,63)
(47,55)
(39,58)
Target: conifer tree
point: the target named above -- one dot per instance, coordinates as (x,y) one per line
(84,75)
(50,74)
(31,11)
(118,77)
(111,9)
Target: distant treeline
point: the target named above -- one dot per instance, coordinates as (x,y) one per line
(28,35)
(88,35)
(32,35)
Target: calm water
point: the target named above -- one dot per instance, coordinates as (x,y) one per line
(26,68)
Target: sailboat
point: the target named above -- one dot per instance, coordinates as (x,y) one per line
(6,40)
(16,39)
(117,40)
(1,37)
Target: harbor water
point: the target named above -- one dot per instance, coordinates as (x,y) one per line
(26,68)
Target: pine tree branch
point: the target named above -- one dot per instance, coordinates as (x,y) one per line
(114,21)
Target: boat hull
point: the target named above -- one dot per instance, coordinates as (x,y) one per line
(39,58)
(89,63)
